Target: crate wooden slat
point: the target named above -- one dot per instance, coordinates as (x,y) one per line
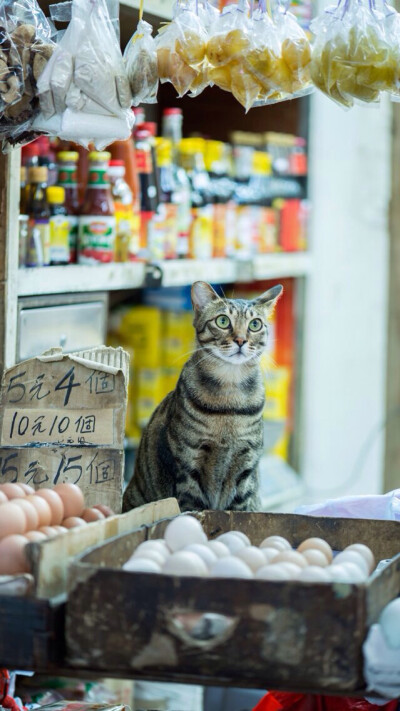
(273,635)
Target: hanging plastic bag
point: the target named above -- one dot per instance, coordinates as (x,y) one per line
(30,33)
(11,72)
(352,56)
(84,91)
(140,59)
(181,52)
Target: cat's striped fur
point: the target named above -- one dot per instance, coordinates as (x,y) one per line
(204,441)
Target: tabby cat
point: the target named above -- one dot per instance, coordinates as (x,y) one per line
(204,441)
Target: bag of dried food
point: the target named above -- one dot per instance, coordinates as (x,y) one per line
(140,59)
(11,74)
(31,48)
(353,57)
(84,91)
(181,51)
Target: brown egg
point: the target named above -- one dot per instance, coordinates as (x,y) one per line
(72,498)
(32,516)
(48,531)
(12,491)
(3,497)
(73,522)
(35,536)
(28,489)
(104,510)
(60,529)
(55,502)
(12,520)
(90,515)
(42,507)
(12,555)
(317,544)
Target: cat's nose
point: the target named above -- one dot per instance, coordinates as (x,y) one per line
(240,341)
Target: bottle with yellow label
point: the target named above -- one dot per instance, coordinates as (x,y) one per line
(126,233)
(59,226)
(201,228)
(38,252)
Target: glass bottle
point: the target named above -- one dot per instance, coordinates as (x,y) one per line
(59,226)
(165,237)
(125,242)
(222,190)
(172,129)
(148,190)
(125,151)
(97,224)
(68,179)
(38,252)
(201,228)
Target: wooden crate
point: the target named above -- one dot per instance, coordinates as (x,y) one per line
(262,634)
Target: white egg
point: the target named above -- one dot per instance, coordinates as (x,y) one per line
(316,543)
(204,552)
(156,545)
(351,557)
(269,554)
(365,552)
(252,556)
(220,549)
(315,557)
(231,541)
(141,565)
(277,542)
(314,574)
(291,557)
(272,572)
(183,531)
(346,573)
(245,539)
(293,571)
(151,554)
(184,563)
(390,622)
(230,567)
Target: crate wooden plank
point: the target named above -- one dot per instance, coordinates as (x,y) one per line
(262,634)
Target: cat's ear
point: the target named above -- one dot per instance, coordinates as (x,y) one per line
(202,294)
(269,298)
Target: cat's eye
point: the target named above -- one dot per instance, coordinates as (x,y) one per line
(255,324)
(222,321)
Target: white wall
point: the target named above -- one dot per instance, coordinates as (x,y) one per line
(346,300)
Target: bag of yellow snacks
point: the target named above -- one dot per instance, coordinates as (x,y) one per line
(354,57)
(181,51)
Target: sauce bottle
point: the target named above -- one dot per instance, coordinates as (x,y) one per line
(125,151)
(165,223)
(201,228)
(222,190)
(148,190)
(172,129)
(38,253)
(97,224)
(126,241)
(68,179)
(59,226)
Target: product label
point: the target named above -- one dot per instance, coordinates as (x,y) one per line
(125,226)
(230,227)
(68,176)
(98,178)
(201,233)
(163,238)
(269,230)
(219,246)
(73,229)
(143,161)
(146,220)
(59,239)
(243,231)
(38,242)
(96,238)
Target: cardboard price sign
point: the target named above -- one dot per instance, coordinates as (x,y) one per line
(62,419)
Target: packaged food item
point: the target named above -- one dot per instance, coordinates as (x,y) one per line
(84,91)
(59,227)
(68,179)
(172,130)
(181,52)
(148,189)
(140,59)
(38,253)
(26,48)
(222,188)
(201,228)
(124,211)
(125,151)
(353,57)
(165,222)
(97,224)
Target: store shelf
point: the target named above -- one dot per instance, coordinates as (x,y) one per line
(80,278)
(175,272)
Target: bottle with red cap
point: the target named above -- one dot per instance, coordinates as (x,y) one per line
(126,236)
(172,130)
(148,190)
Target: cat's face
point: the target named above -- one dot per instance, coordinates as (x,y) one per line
(233,330)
